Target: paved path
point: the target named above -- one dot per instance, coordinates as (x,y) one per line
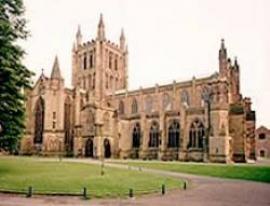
(203,191)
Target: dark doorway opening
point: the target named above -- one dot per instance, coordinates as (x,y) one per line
(89,148)
(107,148)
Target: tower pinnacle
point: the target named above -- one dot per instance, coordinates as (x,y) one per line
(101,29)
(122,40)
(79,36)
(56,74)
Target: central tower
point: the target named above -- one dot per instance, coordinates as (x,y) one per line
(99,67)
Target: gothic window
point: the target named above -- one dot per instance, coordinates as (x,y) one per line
(204,95)
(185,98)
(54,124)
(174,134)
(154,135)
(84,61)
(54,115)
(67,124)
(136,136)
(134,107)
(110,60)
(115,64)
(196,134)
(148,104)
(111,82)
(121,107)
(91,61)
(39,121)
(167,102)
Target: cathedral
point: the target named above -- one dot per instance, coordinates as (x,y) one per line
(202,119)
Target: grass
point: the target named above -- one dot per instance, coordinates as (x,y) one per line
(52,177)
(245,172)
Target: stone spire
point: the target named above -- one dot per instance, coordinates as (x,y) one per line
(222,50)
(79,36)
(122,40)
(224,63)
(101,29)
(236,65)
(56,74)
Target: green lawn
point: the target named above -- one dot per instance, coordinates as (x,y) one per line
(17,173)
(246,172)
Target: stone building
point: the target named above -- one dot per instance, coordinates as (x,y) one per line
(263,142)
(202,119)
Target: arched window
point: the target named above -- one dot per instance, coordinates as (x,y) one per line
(39,121)
(148,104)
(91,60)
(67,125)
(154,135)
(167,102)
(115,64)
(174,134)
(185,98)
(121,107)
(136,136)
(134,107)
(196,134)
(110,60)
(84,61)
(205,95)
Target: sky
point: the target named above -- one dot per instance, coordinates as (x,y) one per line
(167,39)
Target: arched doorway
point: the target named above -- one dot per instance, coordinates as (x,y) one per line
(89,148)
(39,121)
(107,148)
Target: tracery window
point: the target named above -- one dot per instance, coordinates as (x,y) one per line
(121,107)
(185,100)
(134,107)
(148,104)
(196,134)
(110,60)
(154,135)
(39,120)
(67,124)
(115,64)
(136,136)
(91,61)
(174,134)
(84,61)
(167,102)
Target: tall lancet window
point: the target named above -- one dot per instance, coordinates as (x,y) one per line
(39,121)
(67,125)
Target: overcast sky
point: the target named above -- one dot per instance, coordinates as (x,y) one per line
(167,39)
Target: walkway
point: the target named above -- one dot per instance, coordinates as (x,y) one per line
(202,191)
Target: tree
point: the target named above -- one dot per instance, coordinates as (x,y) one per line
(14,76)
